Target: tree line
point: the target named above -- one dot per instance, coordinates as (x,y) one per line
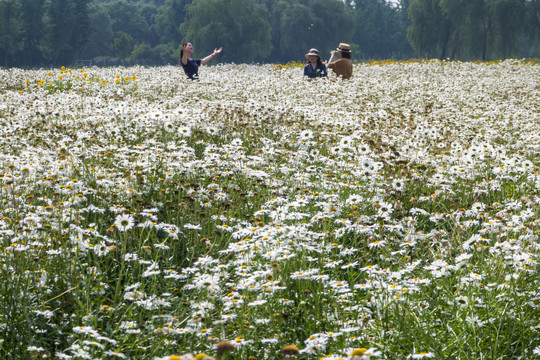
(53,32)
(474,29)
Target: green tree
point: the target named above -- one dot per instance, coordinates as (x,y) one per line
(80,29)
(479,11)
(10,30)
(275,8)
(508,18)
(68,29)
(127,18)
(101,37)
(467,29)
(430,31)
(168,19)
(489,28)
(149,12)
(333,22)
(35,32)
(456,14)
(381,29)
(370,27)
(240,26)
(401,46)
(298,25)
(123,44)
(32,31)
(59,24)
(145,53)
(531,27)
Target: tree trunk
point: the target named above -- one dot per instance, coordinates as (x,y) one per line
(445,42)
(484,46)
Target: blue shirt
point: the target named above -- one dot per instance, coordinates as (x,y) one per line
(191,68)
(319,71)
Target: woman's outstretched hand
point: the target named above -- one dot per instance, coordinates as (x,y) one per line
(211,56)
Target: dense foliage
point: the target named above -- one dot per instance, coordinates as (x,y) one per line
(474,29)
(397,214)
(47,32)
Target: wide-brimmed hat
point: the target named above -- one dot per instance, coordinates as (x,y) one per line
(313,52)
(344,47)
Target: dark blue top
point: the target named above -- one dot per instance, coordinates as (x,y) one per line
(319,71)
(191,68)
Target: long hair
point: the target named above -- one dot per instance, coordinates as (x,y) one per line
(182,51)
(319,61)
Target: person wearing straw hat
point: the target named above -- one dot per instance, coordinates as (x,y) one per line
(342,67)
(315,67)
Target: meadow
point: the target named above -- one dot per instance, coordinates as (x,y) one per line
(256,215)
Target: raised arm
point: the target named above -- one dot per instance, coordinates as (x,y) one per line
(332,56)
(211,56)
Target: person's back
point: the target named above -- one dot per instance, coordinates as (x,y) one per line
(342,67)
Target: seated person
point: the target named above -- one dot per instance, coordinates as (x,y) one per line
(315,67)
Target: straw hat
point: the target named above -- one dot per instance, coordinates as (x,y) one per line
(344,47)
(313,52)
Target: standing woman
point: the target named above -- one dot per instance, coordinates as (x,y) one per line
(342,67)
(190,65)
(315,67)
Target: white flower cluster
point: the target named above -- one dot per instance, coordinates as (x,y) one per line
(142,212)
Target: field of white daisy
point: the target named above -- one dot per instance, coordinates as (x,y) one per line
(391,216)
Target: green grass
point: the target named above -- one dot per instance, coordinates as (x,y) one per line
(266,222)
